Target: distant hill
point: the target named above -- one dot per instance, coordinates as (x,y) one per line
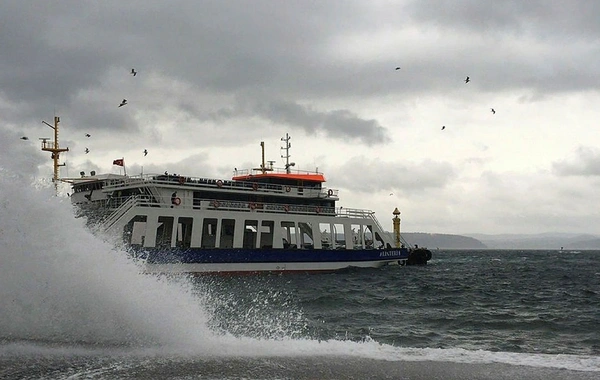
(503,241)
(540,241)
(442,241)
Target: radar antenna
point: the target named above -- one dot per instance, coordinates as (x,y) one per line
(287,147)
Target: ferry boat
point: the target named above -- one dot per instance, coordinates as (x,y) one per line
(264,219)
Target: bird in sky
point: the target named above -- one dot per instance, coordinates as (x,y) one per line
(493,111)
(443,127)
(123,103)
(467,80)
(145,152)
(133,72)
(24,138)
(87,150)
(398,68)
(87,135)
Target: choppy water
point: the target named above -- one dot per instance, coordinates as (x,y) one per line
(72,306)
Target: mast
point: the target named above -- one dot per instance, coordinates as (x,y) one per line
(55,149)
(287,147)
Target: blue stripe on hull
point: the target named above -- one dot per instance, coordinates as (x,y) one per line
(228,255)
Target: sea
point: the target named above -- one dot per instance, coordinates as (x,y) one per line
(73,305)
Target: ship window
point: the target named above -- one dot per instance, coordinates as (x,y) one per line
(135,230)
(209,229)
(326,238)
(306,235)
(339,236)
(368,236)
(227,229)
(250,234)
(289,236)
(197,197)
(357,236)
(267,229)
(164,231)
(379,241)
(184,232)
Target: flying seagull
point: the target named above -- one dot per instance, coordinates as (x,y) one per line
(123,103)
(443,127)
(467,80)
(493,111)
(87,135)
(24,138)
(133,72)
(398,68)
(145,152)
(87,150)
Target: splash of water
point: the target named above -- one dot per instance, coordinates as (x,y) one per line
(60,283)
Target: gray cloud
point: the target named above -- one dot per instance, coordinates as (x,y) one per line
(303,50)
(372,176)
(585,163)
(541,18)
(338,124)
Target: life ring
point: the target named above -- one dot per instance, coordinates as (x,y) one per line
(216,204)
(176,201)
(181,180)
(329,192)
(252,206)
(255,186)
(288,189)
(318,210)
(220,183)
(286,208)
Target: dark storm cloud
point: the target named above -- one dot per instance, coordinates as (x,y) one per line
(296,50)
(585,163)
(37,70)
(52,53)
(337,124)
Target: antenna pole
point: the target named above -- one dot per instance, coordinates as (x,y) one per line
(287,147)
(54,148)
(262,165)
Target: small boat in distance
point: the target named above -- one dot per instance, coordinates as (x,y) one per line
(264,219)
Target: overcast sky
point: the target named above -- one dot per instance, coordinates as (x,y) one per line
(215,78)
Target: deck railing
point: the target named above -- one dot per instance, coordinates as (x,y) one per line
(120,205)
(199,182)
